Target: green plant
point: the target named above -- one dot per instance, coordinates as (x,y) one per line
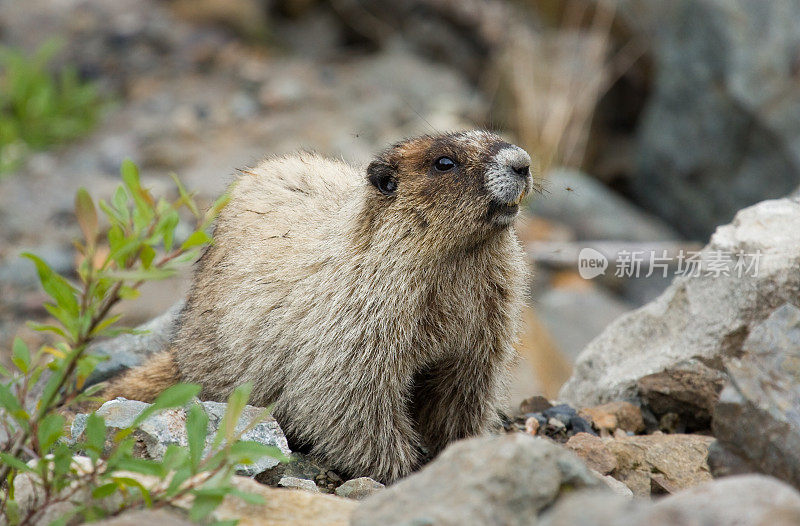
(39,108)
(139,246)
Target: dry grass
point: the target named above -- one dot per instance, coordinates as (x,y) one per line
(556,77)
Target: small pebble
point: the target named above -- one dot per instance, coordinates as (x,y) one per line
(532,426)
(557,424)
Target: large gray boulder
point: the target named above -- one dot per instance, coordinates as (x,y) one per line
(757,420)
(490,480)
(698,322)
(721,129)
(732,501)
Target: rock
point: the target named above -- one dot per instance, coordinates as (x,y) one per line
(279,507)
(359,488)
(299,466)
(613,415)
(689,389)
(751,499)
(676,461)
(593,451)
(733,501)
(139,517)
(593,507)
(168,427)
(617,487)
(489,480)
(594,212)
(532,426)
(296,483)
(131,350)
(284,507)
(758,415)
(575,316)
(534,404)
(562,412)
(704,318)
(723,112)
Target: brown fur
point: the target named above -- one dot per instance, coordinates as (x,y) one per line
(378,325)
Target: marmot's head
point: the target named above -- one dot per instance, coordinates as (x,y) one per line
(457,186)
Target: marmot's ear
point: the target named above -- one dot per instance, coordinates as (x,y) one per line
(382,175)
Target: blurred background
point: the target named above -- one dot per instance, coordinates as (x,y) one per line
(652,122)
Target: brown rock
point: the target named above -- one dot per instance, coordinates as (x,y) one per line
(139,517)
(613,415)
(593,451)
(284,507)
(689,390)
(534,404)
(679,461)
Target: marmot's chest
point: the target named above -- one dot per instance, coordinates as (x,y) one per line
(460,317)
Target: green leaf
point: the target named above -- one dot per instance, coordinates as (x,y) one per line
(62,460)
(54,285)
(20,355)
(197,239)
(120,202)
(106,323)
(146,255)
(101,492)
(180,476)
(50,429)
(176,396)
(95,433)
(250,498)
(15,463)
(151,274)
(196,431)
(142,466)
(8,401)
(87,215)
(133,483)
(130,176)
(236,403)
(186,198)
(248,452)
(41,327)
(203,505)
(174,456)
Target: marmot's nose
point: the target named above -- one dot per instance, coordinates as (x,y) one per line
(521,169)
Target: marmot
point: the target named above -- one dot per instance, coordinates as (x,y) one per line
(376,311)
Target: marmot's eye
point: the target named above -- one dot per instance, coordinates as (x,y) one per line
(444,164)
